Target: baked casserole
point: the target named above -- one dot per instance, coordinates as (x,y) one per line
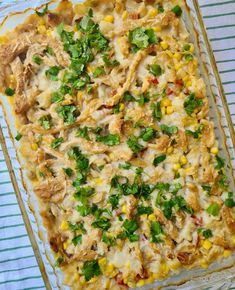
(112,120)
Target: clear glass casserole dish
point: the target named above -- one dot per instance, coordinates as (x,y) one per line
(214,276)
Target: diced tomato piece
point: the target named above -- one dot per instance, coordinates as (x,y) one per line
(179,82)
(197,221)
(169,91)
(154,81)
(113,93)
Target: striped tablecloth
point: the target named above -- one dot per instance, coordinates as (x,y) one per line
(18,266)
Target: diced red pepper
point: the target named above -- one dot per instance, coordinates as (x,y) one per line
(154,81)
(179,82)
(169,91)
(113,93)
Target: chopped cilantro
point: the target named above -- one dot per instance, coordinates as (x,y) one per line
(148,134)
(188,56)
(114,200)
(67,113)
(110,139)
(9,92)
(49,50)
(160,8)
(213,209)
(229,202)
(45,122)
(177,10)
(207,234)
(128,97)
(83,193)
(90,269)
(158,159)
(207,189)
(141,37)
(156,232)
(83,132)
(108,240)
(169,130)
(223,182)
(130,227)
(155,69)
(157,113)
(133,144)
(59,261)
(56,142)
(191,103)
(98,72)
(186,47)
(83,210)
(220,162)
(102,223)
(142,100)
(37,59)
(195,134)
(144,210)
(77,240)
(18,136)
(52,73)
(68,171)
(108,62)
(57,97)
(44,11)
(125,165)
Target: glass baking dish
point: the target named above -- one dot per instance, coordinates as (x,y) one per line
(220,274)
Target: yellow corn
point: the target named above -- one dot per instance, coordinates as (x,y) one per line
(102,262)
(76,276)
(124,209)
(111,156)
(164,45)
(152,217)
(64,226)
(42,29)
(164,269)
(166,102)
(204,264)
(177,56)
(214,150)
(3,39)
(153,12)
(110,268)
(49,31)
(92,280)
(121,107)
(174,265)
(98,181)
(124,15)
(169,110)
(227,253)
(170,150)
(169,53)
(183,160)
(207,244)
(176,166)
(186,78)
(191,48)
(66,244)
(140,283)
(188,83)
(178,66)
(109,18)
(163,110)
(34,146)
(157,28)
(195,62)
(41,21)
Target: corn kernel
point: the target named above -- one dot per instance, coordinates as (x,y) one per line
(92,280)
(163,110)
(188,83)
(166,102)
(157,28)
(109,18)
(169,53)
(152,217)
(121,107)
(124,15)
(42,29)
(164,45)
(111,156)
(169,110)
(178,66)
(66,244)
(177,56)
(227,253)
(110,268)
(34,146)
(3,39)
(176,166)
(140,283)
(214,150)
(191,48)
(195,62)
(124,209)
(102,262)
(153,12)
(170,150)
(76,276)
(64,226)
(207,244)
(41,21)
(98,181)
(204,264)
(183,160)
(164,269)
(49,32)
(186,78)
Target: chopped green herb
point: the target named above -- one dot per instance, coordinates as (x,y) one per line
(83,132)
(68,171)
(195,134)
(90,269)
(83,210)
(125,165)
(223,182)
(213,209)
(49,50)
(108,240)
(59,261)
(9,92)
(155,69)
(157,113)
(102,223)
(188,56)
(37,59)
(229,202)
(177,10)
(148,134)
(133,144)
(220,162)
(18,136)
(186,47)
(207,189)
(98,72)
(141,37)
(52,73)
(45,122)
(169,130)
(67,113)
(110,139)
(142,100)
(191,103)
(108,62)
(207,234)
(114,200)
(158,159)
(156,232)
(160,8)
(77,240)
(128,97)
(44,11)
(144,210)
(130,227)
(56,142)
(56,97)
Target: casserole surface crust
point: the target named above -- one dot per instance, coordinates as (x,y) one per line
(113,125)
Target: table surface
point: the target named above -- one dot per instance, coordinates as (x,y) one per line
(18,266)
